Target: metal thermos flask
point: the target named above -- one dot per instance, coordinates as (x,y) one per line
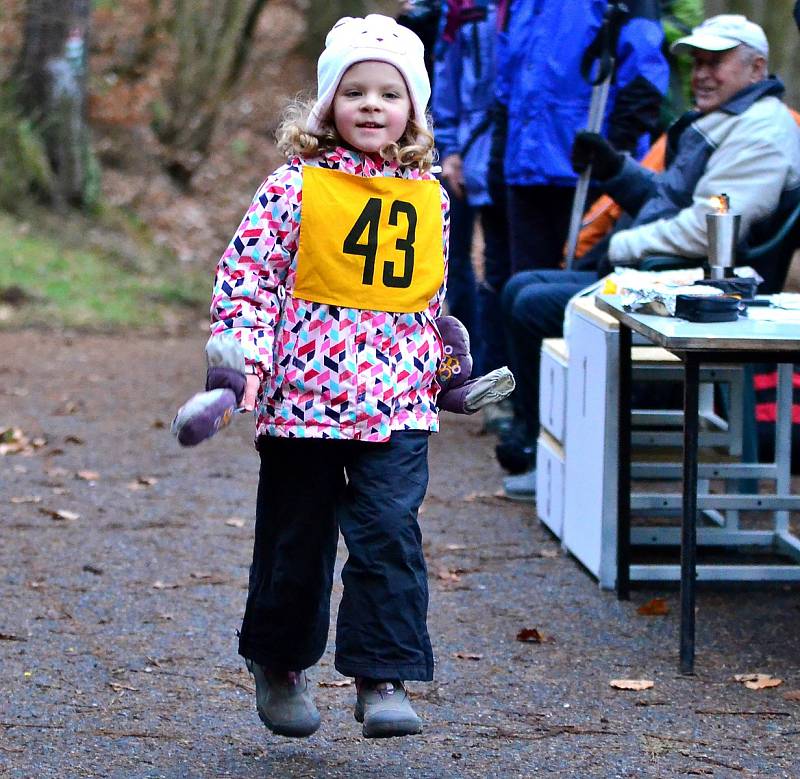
(723,232)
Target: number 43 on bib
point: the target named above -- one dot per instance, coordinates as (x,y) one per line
(369,243)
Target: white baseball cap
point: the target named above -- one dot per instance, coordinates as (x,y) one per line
(374,37)
(723,32)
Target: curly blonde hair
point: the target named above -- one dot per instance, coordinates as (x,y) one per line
(414,149)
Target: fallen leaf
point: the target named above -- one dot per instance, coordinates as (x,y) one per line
(632,684)
(466,656)
(117,687)
(337,683)
(530,636)
(11,637)
(159,424)
(792,695)
(141,482)
(758,681)
(656,607)
(763,683)
(26,499)
(234,522)
(70,516)
(159,585)
(455,547)
(14,441)
(68,407)
(447,575)
(87,475)
(93,569)
(551,553)
(74,439)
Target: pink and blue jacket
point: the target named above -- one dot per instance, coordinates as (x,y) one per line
(326,371)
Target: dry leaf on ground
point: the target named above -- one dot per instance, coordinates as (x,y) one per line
(337,683)
(530,636)
(18,499)
(87,475)
(758,681)
(467,656)
(656,607)
(14,441)
(235,522)
(60,514)
(792,695)
(632,684)
(159,585)
(447,575)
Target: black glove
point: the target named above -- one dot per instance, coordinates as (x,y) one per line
(592,149)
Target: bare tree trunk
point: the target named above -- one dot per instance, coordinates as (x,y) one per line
(51,78)
(212,37)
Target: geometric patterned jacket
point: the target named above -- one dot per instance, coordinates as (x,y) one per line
(326,371)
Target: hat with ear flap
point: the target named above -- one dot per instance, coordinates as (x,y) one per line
(374,37)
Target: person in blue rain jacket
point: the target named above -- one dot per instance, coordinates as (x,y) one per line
(463,108)
(547,100)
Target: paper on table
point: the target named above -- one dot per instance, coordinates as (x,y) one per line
(758,314)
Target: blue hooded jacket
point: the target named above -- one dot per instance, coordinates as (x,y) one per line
(463,93)
(547,100)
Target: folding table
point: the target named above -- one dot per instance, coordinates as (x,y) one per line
(743,341)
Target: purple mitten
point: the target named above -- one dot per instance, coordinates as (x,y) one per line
(203,415)
(206,412)
(456,365)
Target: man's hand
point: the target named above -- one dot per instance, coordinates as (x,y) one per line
(592,149)
(250,391)
(453,174)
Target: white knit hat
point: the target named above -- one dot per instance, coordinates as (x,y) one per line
(375,37)
(723,32)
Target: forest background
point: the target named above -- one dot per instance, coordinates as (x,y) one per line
(180,100)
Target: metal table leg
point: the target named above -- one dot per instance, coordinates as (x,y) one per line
(691,385)
(624,466)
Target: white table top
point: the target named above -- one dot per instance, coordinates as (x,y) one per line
(679,335)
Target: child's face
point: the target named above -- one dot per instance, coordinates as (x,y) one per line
(371,107)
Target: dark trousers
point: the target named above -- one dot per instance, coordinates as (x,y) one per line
(496,272)
(533,304)
(538,220)
(308,490)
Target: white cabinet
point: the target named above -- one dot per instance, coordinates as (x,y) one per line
(590,474)
(550,482)
(553,387)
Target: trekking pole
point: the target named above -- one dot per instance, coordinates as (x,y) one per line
(603,50)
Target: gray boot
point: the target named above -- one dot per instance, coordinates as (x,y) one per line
(385,709)
(284,702)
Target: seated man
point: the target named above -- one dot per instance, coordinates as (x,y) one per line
(740,140)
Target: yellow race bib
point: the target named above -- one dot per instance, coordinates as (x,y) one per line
(369,243)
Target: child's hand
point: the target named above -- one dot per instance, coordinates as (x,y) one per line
(250,391)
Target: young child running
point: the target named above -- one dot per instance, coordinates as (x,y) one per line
(332,284)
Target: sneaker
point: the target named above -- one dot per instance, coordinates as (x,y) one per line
(515,452)
(284,702)
(521,487)
(385,710)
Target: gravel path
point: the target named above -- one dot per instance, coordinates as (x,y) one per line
(117,630)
